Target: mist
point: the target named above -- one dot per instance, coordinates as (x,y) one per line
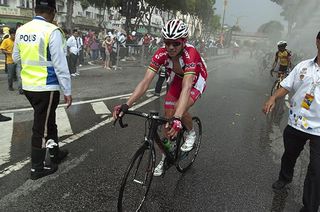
(306,26)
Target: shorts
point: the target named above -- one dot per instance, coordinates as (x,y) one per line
(283,69)
(175,88)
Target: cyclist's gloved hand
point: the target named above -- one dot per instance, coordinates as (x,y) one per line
(176,126)
(119,110)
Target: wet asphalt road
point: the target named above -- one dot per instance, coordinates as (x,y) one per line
(238,161)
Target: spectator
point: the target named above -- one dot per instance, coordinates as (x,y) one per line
(81,47)
(146,40)
(72,52)
(94,46)
(7,48)
(107,44)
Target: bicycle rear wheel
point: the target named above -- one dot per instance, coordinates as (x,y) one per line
(185,159)
(137,180)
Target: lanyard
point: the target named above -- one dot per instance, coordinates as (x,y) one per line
(315,82)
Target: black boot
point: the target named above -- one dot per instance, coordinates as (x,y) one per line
(57,155)
(4,118)
(38,169)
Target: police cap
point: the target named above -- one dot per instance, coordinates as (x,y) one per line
(46,4)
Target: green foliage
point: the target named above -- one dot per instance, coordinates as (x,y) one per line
(84,4)
(272,29)
(280,2)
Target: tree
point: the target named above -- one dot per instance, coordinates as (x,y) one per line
(272,29)
(290,10)
(102,5)
(236,28)
(69,23)
(84,4)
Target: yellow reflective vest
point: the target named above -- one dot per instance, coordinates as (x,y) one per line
(37,71)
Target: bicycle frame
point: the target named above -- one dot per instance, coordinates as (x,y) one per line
(155,122)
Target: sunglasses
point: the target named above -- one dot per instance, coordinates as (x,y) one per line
(173,43)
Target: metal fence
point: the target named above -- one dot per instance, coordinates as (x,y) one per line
(140,56)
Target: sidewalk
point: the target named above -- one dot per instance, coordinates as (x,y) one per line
(94,82)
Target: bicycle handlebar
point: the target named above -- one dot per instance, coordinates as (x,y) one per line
(150,116)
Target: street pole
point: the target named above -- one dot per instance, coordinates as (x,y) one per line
(223,16)
(224,13)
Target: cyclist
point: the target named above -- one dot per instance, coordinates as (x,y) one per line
(188,83)
(283,56)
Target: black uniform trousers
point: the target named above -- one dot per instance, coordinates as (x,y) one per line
(44,125)
(294,141)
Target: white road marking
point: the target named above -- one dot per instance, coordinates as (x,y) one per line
(5,139)
(63,123)
(30,185)
(21,164)
(74,103)
(100,108)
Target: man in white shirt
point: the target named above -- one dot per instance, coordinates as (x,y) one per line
(72,52)
(303,125)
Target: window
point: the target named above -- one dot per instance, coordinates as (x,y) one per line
(60,8)
(4,2)
(88,14)
(22,3)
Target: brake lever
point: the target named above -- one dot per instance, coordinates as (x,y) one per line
(122,125)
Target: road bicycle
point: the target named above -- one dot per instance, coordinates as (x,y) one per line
(138,176)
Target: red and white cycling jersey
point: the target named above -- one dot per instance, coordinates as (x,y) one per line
(190,62)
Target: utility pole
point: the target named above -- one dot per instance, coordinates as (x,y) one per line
(224,13)
(222,25)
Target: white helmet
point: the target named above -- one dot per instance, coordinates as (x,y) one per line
(175,29)
(282,43)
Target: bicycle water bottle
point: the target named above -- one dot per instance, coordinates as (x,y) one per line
(167,144)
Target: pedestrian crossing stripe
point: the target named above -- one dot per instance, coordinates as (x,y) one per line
(2,65)
(19,165)
(5,139)
(63,123)
(100,108)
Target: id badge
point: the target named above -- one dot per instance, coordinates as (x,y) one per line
(307,101)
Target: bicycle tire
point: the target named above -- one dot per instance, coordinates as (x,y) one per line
(186,159)
(128,199)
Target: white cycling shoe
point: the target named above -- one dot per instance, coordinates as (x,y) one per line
(158,170)
(190,139)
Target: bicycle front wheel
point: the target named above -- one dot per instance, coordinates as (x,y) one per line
(186,159)
(137,180)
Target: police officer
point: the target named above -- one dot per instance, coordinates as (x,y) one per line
(39,45)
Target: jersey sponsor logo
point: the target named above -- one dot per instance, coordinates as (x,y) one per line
(186,53)
(190,65)
(155,63)
(28,38)
(161,54)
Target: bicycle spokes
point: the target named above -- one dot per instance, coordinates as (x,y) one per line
(137,180)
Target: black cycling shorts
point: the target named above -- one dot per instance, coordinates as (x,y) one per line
(283,69)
